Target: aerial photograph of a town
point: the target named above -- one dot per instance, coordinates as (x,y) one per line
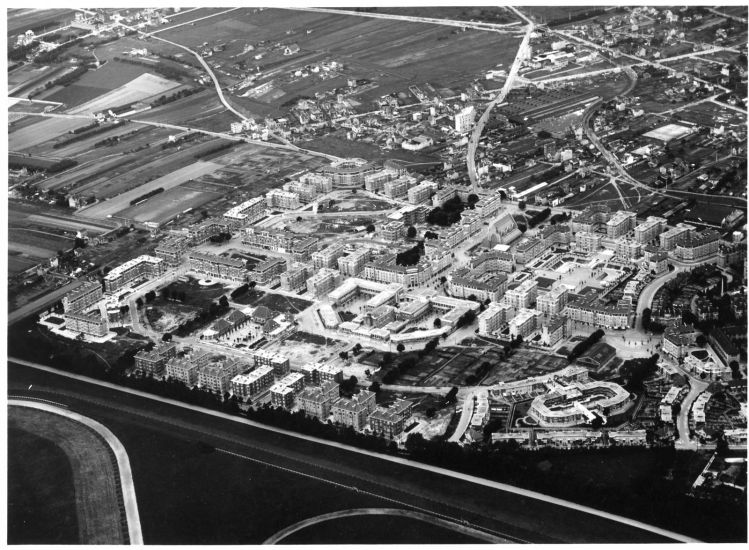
(377,274)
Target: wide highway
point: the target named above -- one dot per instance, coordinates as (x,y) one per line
(499,510)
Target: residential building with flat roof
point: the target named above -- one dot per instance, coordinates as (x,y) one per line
(621,223)
(587,242)
(676,235)
(246,386)
(246,212)
(552,302)
(391,421)
(354,412)
(172,249)
(218,267)
(627,249)
(650,229)
(82,297)
(493,318)
(90,324)
(524,322)
(353,264)
(696,246)
(317,401)
(142,267)
(328,256)
(553,330)
(154,362)
(522,296)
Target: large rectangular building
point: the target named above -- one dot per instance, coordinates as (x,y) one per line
(249,385)
(172,249)
(82,297)
(90,324)
(353,264)
(153,362)
(552,302)
(698,245)
(218,267)
(650,229)
(493,318)
(354,412)
(142,267)
(247,212)
(522,296)
(621,223)
(587,242)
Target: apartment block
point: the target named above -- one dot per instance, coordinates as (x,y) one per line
(353,264)
(649,229)
(327,257)
(493,318)
(82,297)
(218,267)
(172,249)
(142,267)
(354,412)
(90,324)
(249,385)
(587,242)
(154,362)
(621,223)
(552,302)
(522,296)
(524,323)
(282,200)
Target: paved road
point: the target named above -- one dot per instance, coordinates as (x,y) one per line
(123,462)
(522,53)
(492,27)
(469,404)
(543,517)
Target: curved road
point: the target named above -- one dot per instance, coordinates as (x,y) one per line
(634,525)
(123,462)
(283,533)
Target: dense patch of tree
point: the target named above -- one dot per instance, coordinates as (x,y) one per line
(585,345)
(97,129)
(146,196)
(447,214)
(213,150)
(58,166)
(635,371)
(164,99)
(46,58)
(535,219)
(20,53)
(410,256)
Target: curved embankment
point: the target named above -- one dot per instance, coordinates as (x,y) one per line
(106,508)
(480,535)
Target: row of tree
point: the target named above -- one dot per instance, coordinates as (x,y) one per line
(585,345)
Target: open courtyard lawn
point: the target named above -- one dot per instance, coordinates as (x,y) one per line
(275,302)
(336,144)
(352,203)
(41,493)
(191,293)
(91,467)
(163,207)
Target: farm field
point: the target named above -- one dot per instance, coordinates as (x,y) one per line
(21,20)
(165,206)
(488,14)
(95,83)
(121,201)
(28,75)
(415,52)
(43,129)
(141,87)
(148,165)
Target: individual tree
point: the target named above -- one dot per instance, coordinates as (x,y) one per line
(411,232)
(139,303)
(223,301)
(438,323)
(375,387)
(701,340)
(167,337)
(401,348)
(370,228)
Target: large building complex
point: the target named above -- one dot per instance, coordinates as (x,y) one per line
(142,267)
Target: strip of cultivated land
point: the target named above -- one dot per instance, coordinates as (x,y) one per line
(95,474)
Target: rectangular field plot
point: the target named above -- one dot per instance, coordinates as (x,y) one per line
(43,130)
(163,207)
(94,83)
(122,201)
(143,86)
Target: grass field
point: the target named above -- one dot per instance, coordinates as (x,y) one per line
(143,86)
(165,206)
(122,201)
(41,493)
(41,130)
(95,83)
(93,471)
(21,19)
